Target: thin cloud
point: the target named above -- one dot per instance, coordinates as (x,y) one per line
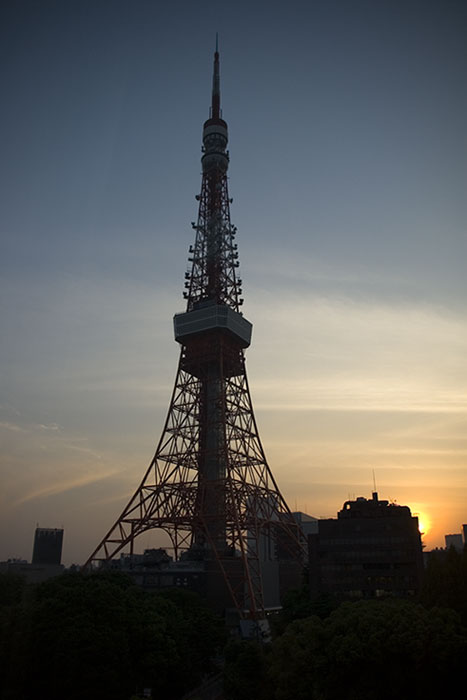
(65,486)
(14,427)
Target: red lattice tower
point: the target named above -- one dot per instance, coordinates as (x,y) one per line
(209,485)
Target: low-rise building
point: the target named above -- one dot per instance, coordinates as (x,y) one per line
(372,549)
(455,541)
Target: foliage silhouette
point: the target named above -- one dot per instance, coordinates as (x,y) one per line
(99,636)
(369,650)
(445,581)
(245,671)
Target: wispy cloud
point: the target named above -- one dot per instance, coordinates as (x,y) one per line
(64,486)
(14,427)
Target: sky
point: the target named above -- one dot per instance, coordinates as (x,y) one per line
(348,174)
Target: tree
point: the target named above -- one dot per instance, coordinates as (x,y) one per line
(245,671)
(445,581)
(370,650)
(203,634)
(100,636)
(11,589)
(298,604)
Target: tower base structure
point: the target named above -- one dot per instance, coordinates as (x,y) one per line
(156,570)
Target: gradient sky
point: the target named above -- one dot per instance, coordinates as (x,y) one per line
(348,172)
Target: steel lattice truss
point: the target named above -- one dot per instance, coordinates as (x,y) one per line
(170,494)
(214,256)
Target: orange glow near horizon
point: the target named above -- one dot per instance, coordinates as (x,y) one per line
(424,524)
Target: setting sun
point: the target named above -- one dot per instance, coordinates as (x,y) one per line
(424,524)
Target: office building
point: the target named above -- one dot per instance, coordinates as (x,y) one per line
(372,549)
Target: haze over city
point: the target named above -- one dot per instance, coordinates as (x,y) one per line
(348,172)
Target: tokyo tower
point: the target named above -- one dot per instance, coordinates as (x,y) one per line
(209,485)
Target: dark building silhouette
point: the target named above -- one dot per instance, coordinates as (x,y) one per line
(455,541)
(283,547)
(46,557)
(47,546)
(372,549)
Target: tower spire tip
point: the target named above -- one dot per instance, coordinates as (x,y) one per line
(216,92)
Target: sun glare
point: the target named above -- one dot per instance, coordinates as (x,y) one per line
(423,523)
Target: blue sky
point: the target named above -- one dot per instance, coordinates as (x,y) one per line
(348,173)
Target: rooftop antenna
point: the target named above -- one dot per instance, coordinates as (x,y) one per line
(375,493)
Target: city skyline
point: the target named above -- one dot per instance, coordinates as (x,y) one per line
(348,173)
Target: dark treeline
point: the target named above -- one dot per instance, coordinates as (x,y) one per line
(100,636)
(367,650)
